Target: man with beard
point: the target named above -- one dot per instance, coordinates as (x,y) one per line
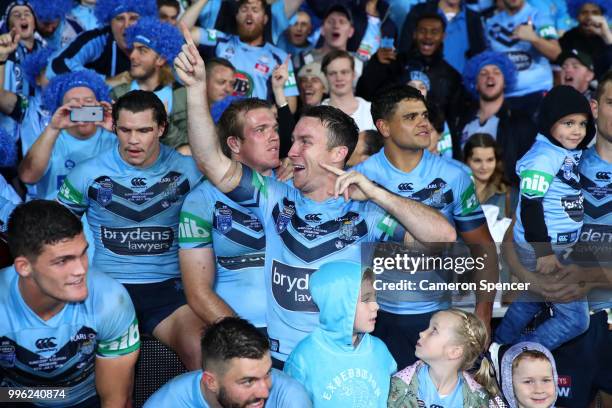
(486,76)
(153,44)
(253,58)
(236,372)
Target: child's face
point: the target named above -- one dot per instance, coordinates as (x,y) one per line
(434,342)
(420,85)
(570,130)
(533,383)
(367,309)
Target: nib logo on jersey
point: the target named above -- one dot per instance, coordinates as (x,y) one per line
(291,287)
(138,240)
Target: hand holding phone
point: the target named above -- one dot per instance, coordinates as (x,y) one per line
(87,114)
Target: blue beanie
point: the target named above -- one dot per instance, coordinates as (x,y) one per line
(51,10)
(163,38)
(34,63)
(475,64)
(106,10)
(53,95)
(8,149)
(574,6)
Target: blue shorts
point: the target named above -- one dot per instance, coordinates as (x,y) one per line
(156,301)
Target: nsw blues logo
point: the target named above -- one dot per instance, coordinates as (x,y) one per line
(284,218)
(224,219)
(105,192)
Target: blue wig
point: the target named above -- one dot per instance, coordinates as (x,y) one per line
(106,10)
(53,95)
(574,6)
(51,10)
(34,63)
(8,149)
(163,38)
(475,64)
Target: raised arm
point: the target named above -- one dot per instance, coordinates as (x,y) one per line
(190,16)
(8,44)
(223,172)
(420,221)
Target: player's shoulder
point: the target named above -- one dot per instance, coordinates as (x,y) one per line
(105,292)
(450,168)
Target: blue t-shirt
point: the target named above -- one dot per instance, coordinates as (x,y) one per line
(211,220)
(254,65)
(67,152)
(550,173)
(302,234)
(185,391)
(428,394)
(62,350)
(534,70)
(439,183)
(596,182)
(132,212)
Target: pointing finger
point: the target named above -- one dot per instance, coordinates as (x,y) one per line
(186,34)
(332,169)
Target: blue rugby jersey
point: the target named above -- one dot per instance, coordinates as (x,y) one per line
(440,183)
(61,351)
(254,65)
(302,234)
(133,212)
(209,219)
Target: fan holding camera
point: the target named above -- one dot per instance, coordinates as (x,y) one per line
(80,128)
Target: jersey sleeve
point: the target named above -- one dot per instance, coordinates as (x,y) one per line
(196,220)
(209,37)
(73,192)
(289,393)
(87,47)
(295,367)
(536,172)
(117,325)
(545,26)
(467,213)
(257,192)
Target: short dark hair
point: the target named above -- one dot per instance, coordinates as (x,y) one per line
(601,86)
(140,101)
(385,103)
(213,62)
(232,337)
(334,55)
(341,128)
(431,16)
(231,122)
(37,223)
(170,3)
(373,141)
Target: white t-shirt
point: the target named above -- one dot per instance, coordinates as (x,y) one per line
(361,116)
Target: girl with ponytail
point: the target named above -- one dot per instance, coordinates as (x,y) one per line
(454,341)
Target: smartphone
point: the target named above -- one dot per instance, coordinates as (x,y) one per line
(87,114)
(387,42)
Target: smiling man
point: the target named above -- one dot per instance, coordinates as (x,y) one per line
(132,195)
(487,76)
(63,325)
(236,373)
(311,223)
